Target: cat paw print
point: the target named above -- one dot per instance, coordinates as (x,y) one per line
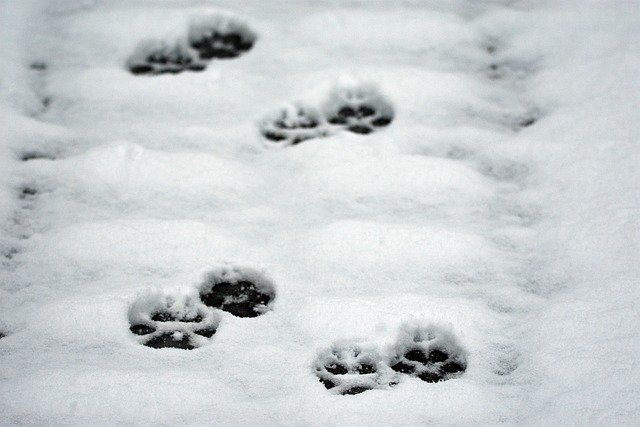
(210,37)
(158,57)
(359,109)
(243,292)
(165,321)
(430,354)
(350,369)
(220,37)
(294,124)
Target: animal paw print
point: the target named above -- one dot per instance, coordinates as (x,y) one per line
(360,109)
(158,57)
(293,124)
(241,292)
(348,370)
(220,37)
(210,37)
(163,321)
(431,355)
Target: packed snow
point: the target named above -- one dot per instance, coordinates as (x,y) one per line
(337,212)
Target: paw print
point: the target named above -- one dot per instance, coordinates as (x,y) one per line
(164,321)
(431,355)
(158,57)
(360,109)
(348,369)
(211,37)
(293,124)
(220,37)
(240,291)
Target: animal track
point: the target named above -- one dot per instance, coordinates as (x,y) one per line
(430,354)
(360,109)
(294,124)
(348,369)
(212,37)
(35,155)
(241,292)
(163,321)
(158,57)
(220,37)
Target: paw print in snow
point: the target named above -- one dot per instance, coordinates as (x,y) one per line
(220,37)
(430,354)
(241,292)
(360,109)
(293,124)
(162,321)
(159,57)
(348,369)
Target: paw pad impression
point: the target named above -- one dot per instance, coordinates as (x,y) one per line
(242,292)
(294,124)
(165,321)
(350,369)
(430,354)
(359,109)
(220,37)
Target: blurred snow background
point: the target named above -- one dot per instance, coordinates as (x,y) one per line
(502,204)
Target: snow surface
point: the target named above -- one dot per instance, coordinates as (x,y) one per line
(499,206)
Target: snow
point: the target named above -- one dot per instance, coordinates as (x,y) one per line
(494,218)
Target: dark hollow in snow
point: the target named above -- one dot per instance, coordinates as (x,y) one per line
(142,329)
(39,65)
(242,298)
(430,365)
(2,335)
(28,193)
(169,340)
(526,122)
(10,253)
(169,317)
(34,155)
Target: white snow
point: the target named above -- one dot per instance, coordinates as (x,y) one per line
(499,209)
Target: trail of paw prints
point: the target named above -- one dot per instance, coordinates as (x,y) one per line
(358,108)
(511,72)
(21,225)
(166,321)
(210,37)
(38,70)
(430,354)
(186,322)
(350,369)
